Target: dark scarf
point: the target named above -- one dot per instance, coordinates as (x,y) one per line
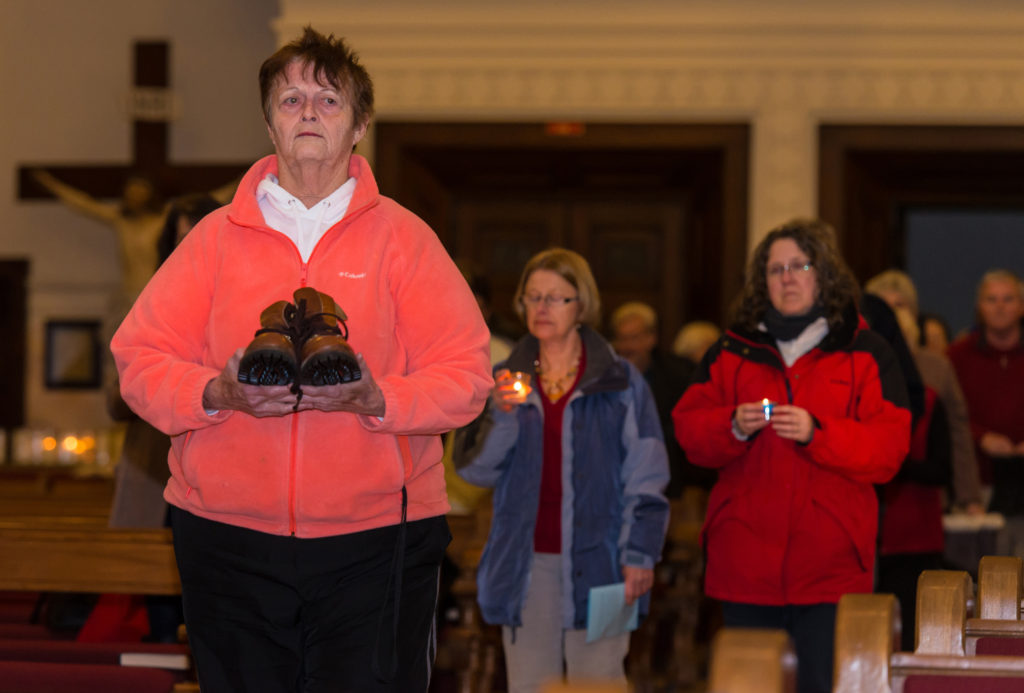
(788,327)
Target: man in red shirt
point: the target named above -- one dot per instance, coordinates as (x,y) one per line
(989,363)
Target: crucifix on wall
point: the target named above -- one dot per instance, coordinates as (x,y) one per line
(141,184)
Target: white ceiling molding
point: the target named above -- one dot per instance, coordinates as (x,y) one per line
(784,66)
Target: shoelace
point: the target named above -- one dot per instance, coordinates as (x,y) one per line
(299,328)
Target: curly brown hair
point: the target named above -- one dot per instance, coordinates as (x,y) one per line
(837,288)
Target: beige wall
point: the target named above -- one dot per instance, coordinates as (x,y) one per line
(65,77)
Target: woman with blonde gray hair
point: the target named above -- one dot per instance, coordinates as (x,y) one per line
(578,467)
(694,339)
(897,289)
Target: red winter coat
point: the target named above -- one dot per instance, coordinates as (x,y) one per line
(790,523)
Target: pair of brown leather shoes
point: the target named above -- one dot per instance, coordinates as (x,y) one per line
(300,343)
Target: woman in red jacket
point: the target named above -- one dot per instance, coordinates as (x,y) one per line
(801,410)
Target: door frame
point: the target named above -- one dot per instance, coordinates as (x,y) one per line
(400,149)
(869,175)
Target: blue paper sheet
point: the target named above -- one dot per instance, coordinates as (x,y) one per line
(608,614)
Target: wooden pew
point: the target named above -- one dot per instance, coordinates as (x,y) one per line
(996,627)
(752,660)
(582,687)
(469,649)
(667,649)
(89,559)
(86,559)
(49,496)
(743,660)
(54,512)
(867,628)
(992,619)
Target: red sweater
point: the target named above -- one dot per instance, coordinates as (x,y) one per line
(993,385)
(547,535)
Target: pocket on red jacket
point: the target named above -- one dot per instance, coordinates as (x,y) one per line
(832,550)
(741,564)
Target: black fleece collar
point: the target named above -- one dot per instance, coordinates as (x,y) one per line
(839,336)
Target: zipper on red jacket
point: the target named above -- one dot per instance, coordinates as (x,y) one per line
(292,463)
(293,457)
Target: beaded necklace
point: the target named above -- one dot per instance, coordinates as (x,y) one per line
(555,388)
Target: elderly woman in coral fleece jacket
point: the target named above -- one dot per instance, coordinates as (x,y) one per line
(309,532)
(802,410)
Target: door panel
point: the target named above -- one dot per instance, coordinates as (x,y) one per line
(634,251)
(499,237)
(633,247)
(658,210)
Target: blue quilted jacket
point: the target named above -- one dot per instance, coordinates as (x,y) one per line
(614,471)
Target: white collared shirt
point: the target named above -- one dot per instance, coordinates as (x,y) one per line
(305,227)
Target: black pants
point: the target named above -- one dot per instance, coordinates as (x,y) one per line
(276,614)
(812,628)
(897,574)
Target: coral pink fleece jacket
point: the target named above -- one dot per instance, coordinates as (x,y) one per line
(312,473)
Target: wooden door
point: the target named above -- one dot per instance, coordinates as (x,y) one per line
(871,175)
(658,211)
(633,247)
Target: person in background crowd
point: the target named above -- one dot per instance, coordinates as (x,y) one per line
(898,291)
(578,467)
(309,532)
(463,496)
(935,334)
(502,334)
(990,365)
(802,410)
(634,327)
(142,472)
(694,339)
(910,534)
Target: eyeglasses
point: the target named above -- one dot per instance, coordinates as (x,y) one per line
(776,271)
(549,301)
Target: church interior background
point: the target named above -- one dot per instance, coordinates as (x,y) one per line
(778,73)
(663,140)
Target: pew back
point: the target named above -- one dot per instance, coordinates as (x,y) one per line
(997,628)
(749,660)
(87,559)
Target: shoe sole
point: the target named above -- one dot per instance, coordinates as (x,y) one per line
(266,368)
(329,368)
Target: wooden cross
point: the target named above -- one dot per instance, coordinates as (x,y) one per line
(149,145)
